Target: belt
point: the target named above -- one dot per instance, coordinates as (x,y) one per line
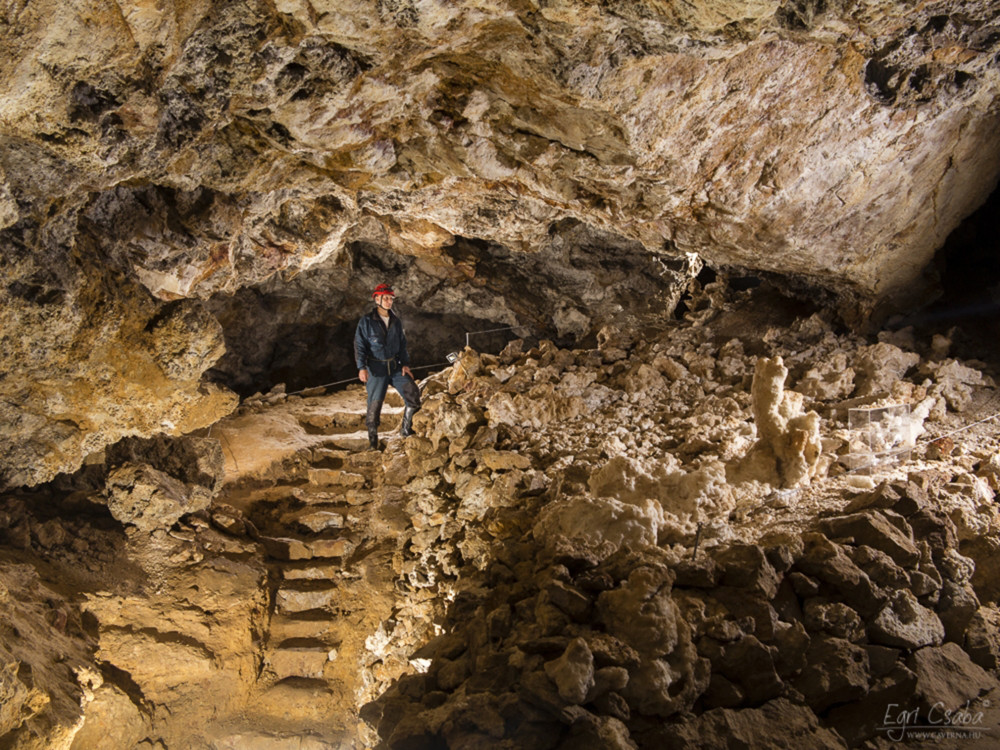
(386,362)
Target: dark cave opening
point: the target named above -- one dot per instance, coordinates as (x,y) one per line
(299,332)
(303,354)
(967,268)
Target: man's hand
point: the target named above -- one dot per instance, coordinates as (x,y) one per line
(363,376)
(408,372)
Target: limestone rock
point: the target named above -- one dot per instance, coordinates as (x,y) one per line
(906,623)
(834,618)
(788,446)
(110,713)
(837,672)
(828,380)
(300,662)
(873,530)
(828,562)
(982,638)
(947,677)
(953,382)
(881,365)
(957,603)
(778,723)
(601,526)
(750,664)
(149,499)
(573,672)
(641,612)
(747,567)
(861,720)
(599,733)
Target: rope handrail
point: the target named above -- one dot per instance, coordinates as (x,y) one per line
(421,367)
(351,380)
(960,429)
(491,330)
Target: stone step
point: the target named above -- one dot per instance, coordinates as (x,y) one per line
(310,663)
(291,601)
(310,495)
(355,441)
(313,573)
(288,548)
(336,477)
(290,628)
(300,706)
(260,739)
(330,457)
(313,520)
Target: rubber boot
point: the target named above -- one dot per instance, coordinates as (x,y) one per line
(372,421)
(407,427)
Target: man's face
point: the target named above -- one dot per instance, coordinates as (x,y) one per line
(384,301)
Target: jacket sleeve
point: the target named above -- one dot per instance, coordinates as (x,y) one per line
(361,347)
(404,355)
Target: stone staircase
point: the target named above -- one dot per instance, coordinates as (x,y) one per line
(345,430)
(332,531)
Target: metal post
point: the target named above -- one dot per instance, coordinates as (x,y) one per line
(697,538)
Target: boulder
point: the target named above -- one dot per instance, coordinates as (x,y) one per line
(641,613)
(905,623)
(148,499)
(778,724)
(829,563)
(956,605)
(837,671)
(871,528)
(879,366)
(860,720)
(573,672)
(982,638)
(947,677)
(833,618)
(591,732)
(746,566)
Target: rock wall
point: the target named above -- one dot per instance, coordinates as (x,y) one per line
(89,358)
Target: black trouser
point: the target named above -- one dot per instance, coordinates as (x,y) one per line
(378,385)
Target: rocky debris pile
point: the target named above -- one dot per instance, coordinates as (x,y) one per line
(602,627)
(812,636)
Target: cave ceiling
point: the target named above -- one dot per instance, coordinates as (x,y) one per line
(517,162)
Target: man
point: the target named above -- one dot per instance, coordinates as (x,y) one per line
(381,356)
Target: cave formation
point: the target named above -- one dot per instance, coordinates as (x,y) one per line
(703,303)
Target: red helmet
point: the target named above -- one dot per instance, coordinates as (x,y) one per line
(383,289)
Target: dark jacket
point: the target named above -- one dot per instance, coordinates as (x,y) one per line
(379,349)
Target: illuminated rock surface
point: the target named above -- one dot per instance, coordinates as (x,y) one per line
(639,515)
(551,165)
